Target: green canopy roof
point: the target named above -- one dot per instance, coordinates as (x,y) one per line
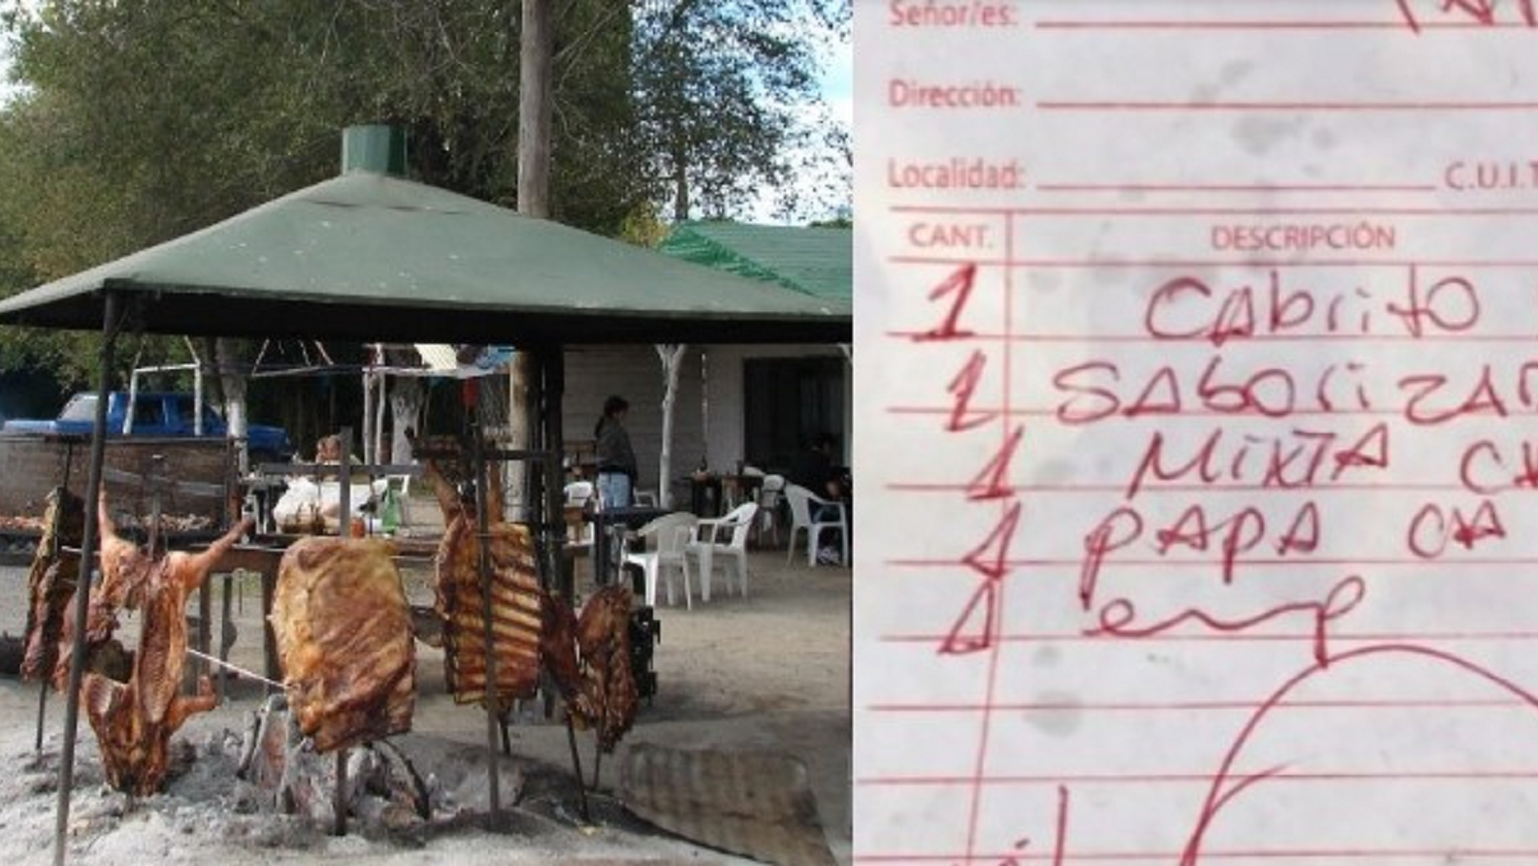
(369,256)
(814,261)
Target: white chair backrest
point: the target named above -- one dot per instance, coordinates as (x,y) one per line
(579,492)
(740,519)
(770,491)
(672,543)
(646,498)
(661,532)
(752,471)
(800,510)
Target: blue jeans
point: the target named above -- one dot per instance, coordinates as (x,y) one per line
(614,489)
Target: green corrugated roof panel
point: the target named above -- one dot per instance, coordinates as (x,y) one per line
(375,257)
(815,261)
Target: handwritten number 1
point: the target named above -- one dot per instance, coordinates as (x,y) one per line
(992,481)
(959,284)
(964,386)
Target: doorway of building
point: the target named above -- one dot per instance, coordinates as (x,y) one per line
(787,400)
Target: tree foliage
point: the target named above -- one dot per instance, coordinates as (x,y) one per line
(144,119)
(726,93)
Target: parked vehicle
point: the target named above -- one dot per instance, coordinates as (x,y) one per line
(156,414)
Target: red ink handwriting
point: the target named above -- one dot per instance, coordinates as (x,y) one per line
(963,387)
(1189,308)
(1478,11)
(993,481)
(1226,786)
(975,628)
(959,285)
(1485,455)
(1232,536)
(1118,617)
(1294,459)
(1434,527)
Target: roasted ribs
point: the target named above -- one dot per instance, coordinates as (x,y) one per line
(344,637)
(516,605)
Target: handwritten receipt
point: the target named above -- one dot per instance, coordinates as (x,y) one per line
(1197,358)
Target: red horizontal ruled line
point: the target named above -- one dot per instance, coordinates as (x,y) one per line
(1458,106)
(1370,855)
(953,488)
(1238,188)
(1393,24)
(1281,210)
(1205,706)
(1226,637)
(1293,562)
(1202,778)
(1073,264)
(1238,339)
(1017,412)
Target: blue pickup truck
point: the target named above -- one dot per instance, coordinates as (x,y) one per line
(156,414)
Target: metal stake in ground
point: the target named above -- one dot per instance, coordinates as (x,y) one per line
(576,764)
(483,536)
(110,326)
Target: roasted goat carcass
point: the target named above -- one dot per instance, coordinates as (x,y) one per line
(343,629)
(134,721)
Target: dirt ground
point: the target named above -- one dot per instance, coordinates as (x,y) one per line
(768,672)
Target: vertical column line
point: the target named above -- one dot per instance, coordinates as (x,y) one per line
(997,594)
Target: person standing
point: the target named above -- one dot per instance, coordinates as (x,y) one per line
(617,468)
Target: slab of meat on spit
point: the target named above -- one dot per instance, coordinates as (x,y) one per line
(516,605)
(134,721)
(599,692)
(343,629)
(51,583)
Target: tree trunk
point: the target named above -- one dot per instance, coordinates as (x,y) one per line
(536,48)
(228,362)
(672,357)
(680,188)
(406,398)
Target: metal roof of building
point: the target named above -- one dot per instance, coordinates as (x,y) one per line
(814,261)
(369,256)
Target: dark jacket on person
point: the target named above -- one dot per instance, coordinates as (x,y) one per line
(813,469)
(613,449)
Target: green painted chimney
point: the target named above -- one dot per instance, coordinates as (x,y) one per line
(374,147)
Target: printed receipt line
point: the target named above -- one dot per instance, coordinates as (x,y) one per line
(1212,324)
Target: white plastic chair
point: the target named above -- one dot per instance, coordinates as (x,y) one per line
(644,498)
(664,541)
(770,493)
(577,495)
(801,506)
(726,537)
